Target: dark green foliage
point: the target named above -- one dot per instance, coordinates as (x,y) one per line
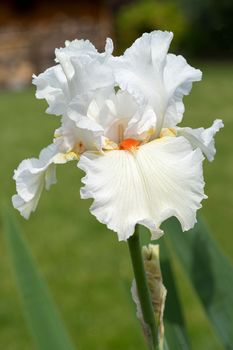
(144,16)
(176,333)
(202,28)
(211,27)
(210,273)
(44,322)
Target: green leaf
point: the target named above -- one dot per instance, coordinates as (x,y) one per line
(166,347)
(210,273)
(175,329)
(43,319)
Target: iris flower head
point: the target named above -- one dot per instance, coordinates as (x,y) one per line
(119,122)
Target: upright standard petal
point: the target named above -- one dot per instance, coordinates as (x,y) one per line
(53,87)
(140,69)
(84,67)
(80,69)
(178,79)
(160,179)
(120,116)
(156,78)
(202,138)
(119,108)
(31,176)
(83,49)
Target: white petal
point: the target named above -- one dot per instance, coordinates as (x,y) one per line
(156,78)
(140,69)
(202,138)
(84,67)
(115,115)
(28,173)
(83,49)
(31,176)
(89,104)
(81,127)
(81,70)
(109,46)
(98,75)
(162,178)
(26,208)
(52,86)
(142,125)
(78,136)
(121,117)
(178,79)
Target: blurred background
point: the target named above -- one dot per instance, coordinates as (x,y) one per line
(31,29)
(87,270)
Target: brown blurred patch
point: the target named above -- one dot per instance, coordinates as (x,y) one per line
(31,30)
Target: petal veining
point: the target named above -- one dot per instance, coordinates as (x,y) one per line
(160,179)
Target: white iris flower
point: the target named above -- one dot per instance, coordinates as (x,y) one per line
(119,121)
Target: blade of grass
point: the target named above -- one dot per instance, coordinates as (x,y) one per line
(210,273)
(42,317)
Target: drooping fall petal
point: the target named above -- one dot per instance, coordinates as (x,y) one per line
(31,176)
(160,179)
(202,138)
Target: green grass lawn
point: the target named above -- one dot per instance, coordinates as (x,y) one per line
(88,271)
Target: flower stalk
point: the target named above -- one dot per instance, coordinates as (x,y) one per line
(143,289)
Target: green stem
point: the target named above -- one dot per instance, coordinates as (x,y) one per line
(143,289)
